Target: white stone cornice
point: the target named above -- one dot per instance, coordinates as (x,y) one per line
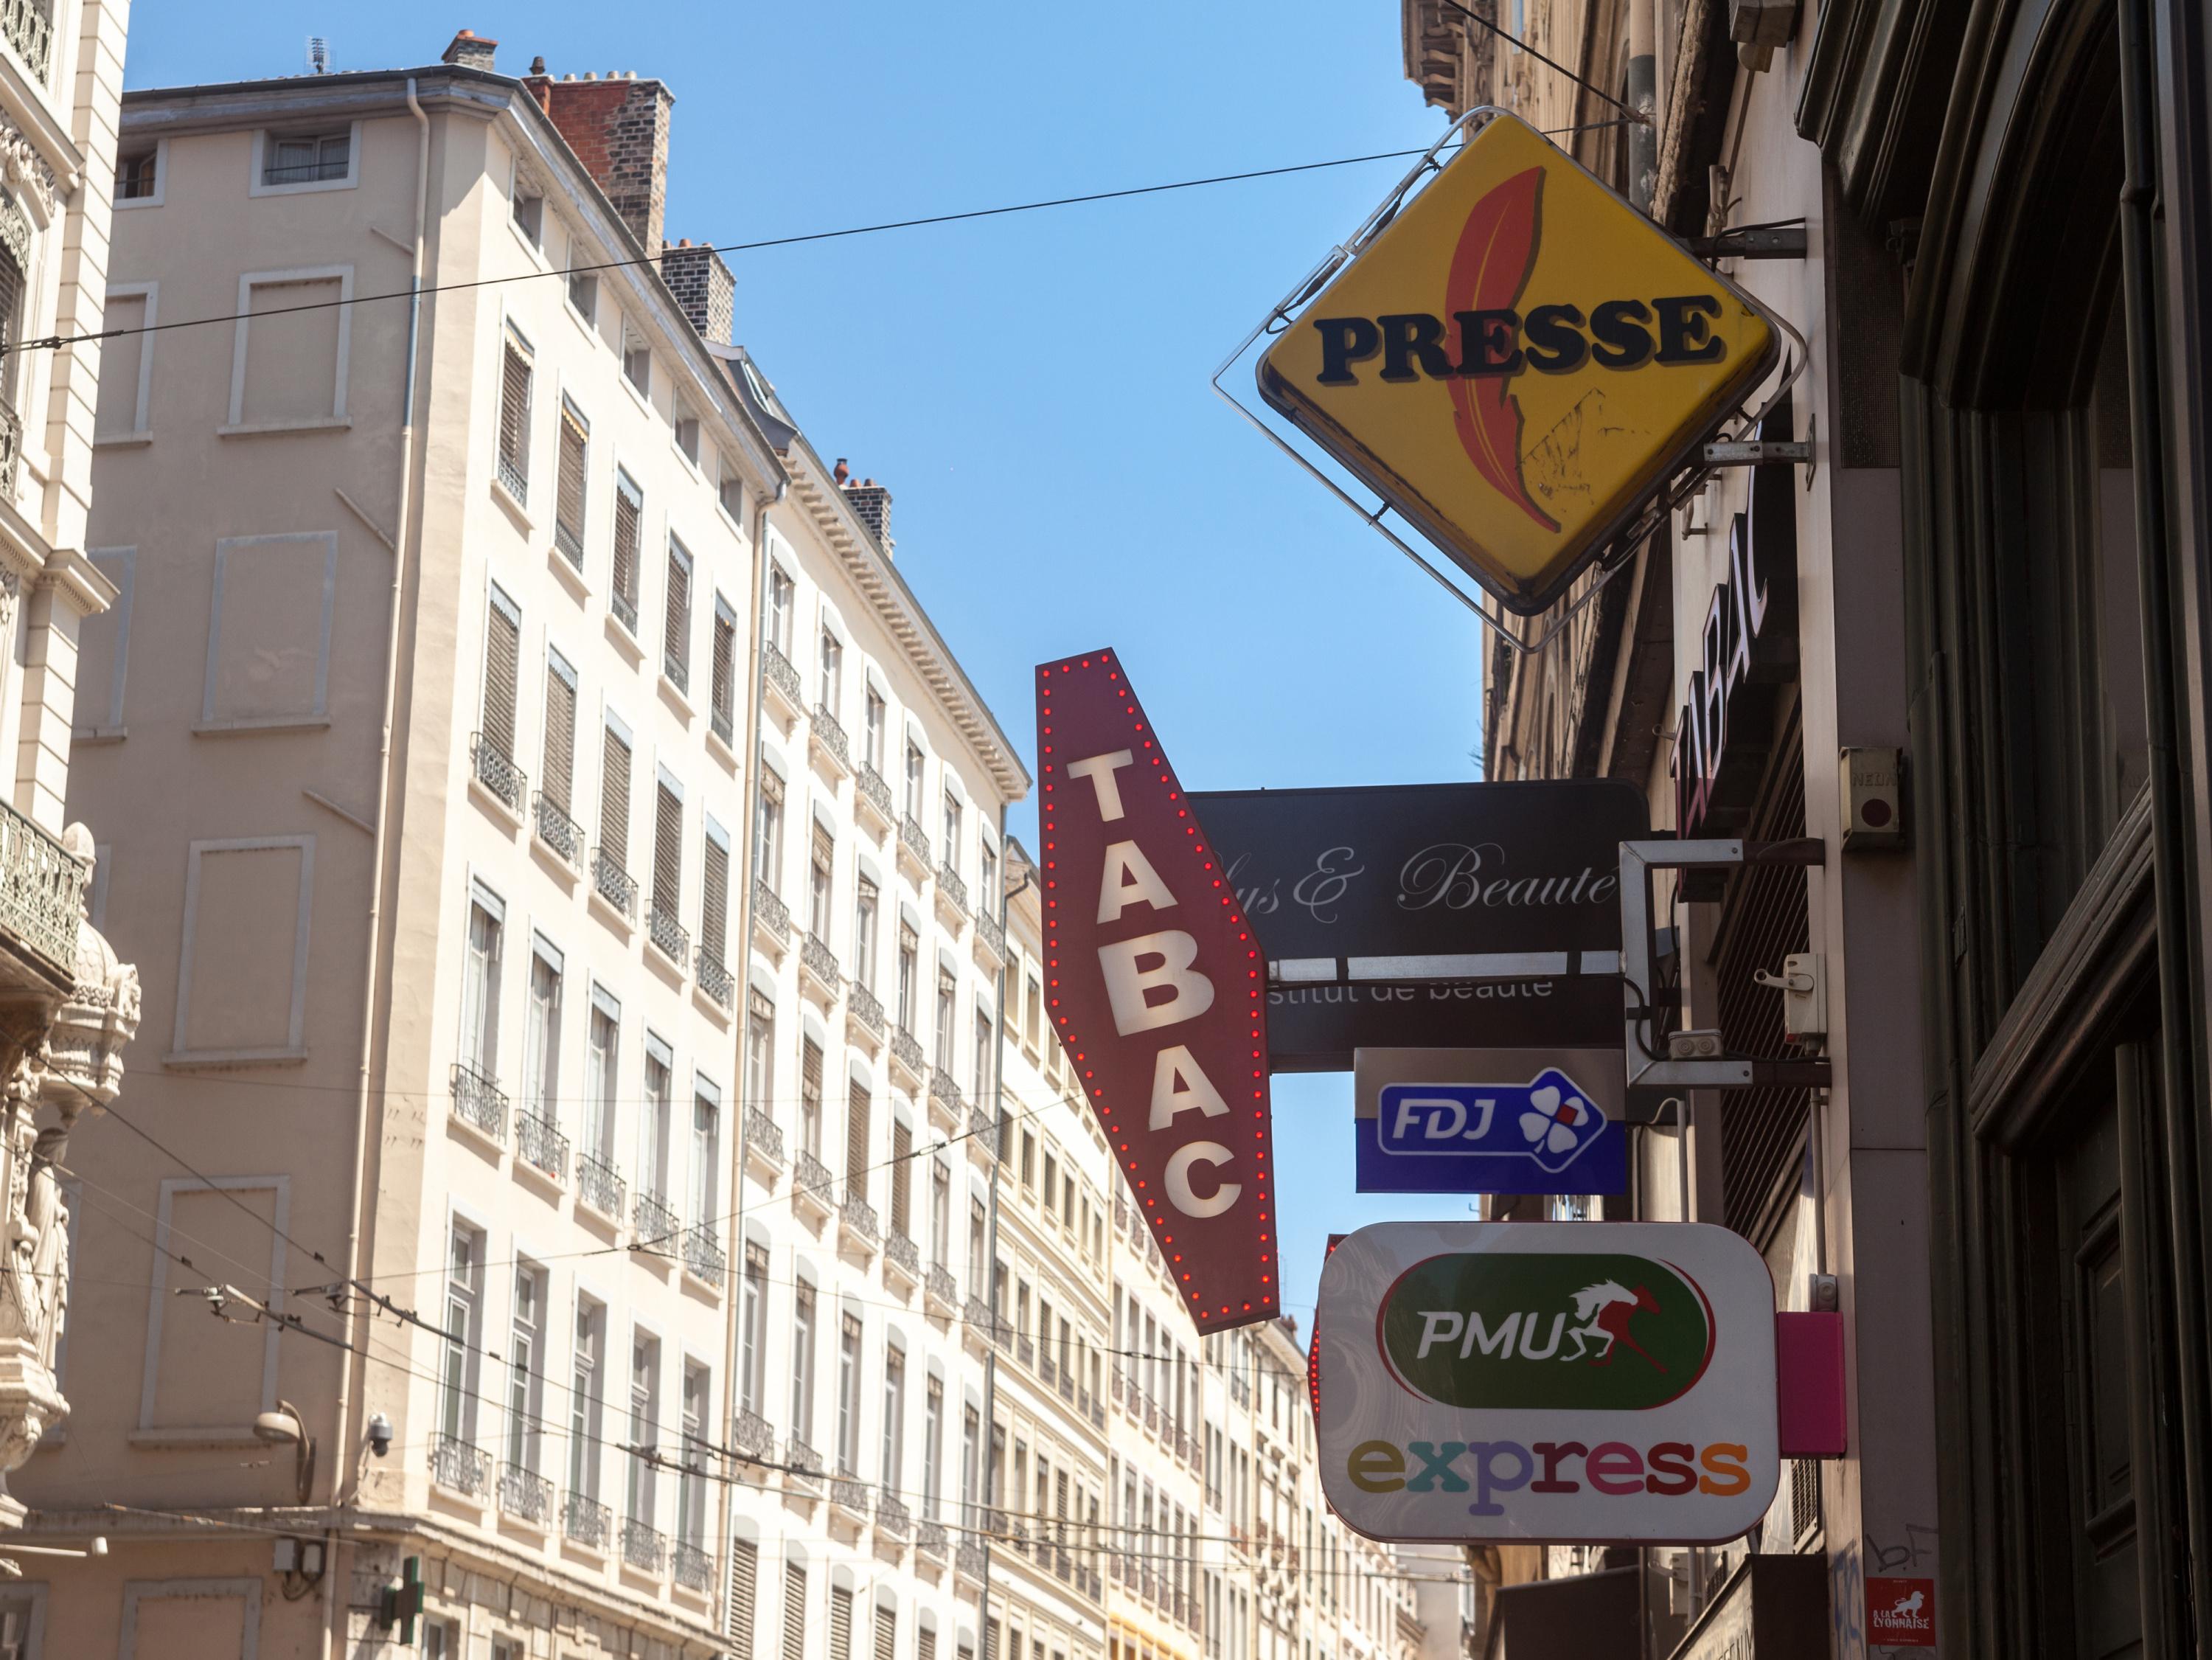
(37,154)
(869,569)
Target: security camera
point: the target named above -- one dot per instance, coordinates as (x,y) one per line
(380,1435)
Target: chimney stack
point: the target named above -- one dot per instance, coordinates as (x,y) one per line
(618,128)
(871,505)
(467,51)
(703,286)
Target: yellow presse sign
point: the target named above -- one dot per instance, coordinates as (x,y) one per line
(1516,360)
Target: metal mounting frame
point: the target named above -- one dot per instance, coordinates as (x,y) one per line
(1663,497)
(1637,861)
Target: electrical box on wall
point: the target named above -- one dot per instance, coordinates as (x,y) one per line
(1873,796)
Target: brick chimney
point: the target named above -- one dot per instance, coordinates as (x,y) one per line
(618,128)
(471,51)
(703,286)
(871,506)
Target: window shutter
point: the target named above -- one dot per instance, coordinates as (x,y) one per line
(744,1572)
(825,850)
(886,1634)
(614,798)
(901,1173)
(569,488)
(810,1075)
(676,624)
(503,666)
(11,317)
(771,786)
(724,689)
(714,901)
(794,1612)
(925,1644)
(515,422)
(856,1140)
(840,1623)
(667,852)
(560,733)
(629,518)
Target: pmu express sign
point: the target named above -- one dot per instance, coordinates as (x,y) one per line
(1155,988)
(1539,1381)
(1516,360)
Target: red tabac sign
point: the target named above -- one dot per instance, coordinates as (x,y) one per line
(1158,991)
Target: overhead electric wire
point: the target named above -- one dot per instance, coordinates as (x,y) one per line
(1633,117)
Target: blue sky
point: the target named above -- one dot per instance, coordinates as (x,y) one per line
(1034,388)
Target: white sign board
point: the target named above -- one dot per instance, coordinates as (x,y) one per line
(1569,1382)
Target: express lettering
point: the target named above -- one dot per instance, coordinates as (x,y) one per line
(1617,334)
(1153,983)
(1487,1468)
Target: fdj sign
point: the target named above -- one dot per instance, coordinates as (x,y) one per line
(1543,1136)
(1547,1381)
(1516,360)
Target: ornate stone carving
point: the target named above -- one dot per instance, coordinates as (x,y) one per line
(62,1066)
(23,166)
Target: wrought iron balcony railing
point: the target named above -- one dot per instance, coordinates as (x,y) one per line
(985,1128)
(977,1314)
(559,831)
(812,1175)
(690,1566)
(587,1522)
(968,1559)
(849,1493)
(820,961)
(829,732)
(940,1284)
(40,883)
(763,1136)
(615,886)
(914,839)
(859,1216)
(875,789)
(479,1102)
(901,1252)
(802,1463)
(514,480)
(750,1432)
(703,1256)
(29,28)
(624,606)
(770,912)
(944,1086)
(676,667)
(723,719)
(655,1221)
(570,540)
(540,1144)
(954,886)
(459,1467)
(892,1517)
(865,1007)
(525,1495)
(668,935)
(929,1539)
(496,771)
(990,935)
(716,979)
(598,1186)
(782,674)
(906,1049)
(643,1546)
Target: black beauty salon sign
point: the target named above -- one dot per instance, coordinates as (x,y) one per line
(1449,914)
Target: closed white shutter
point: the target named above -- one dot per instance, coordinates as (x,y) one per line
(724,689)
(675,622)
(629,519)
(901,1173)
(514,421)
(744,1574)
(886,1633)
(840,1623)
(857,1112)
(569,495)
(794,1612)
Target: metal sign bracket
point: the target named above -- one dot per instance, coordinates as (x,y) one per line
(1695,1060)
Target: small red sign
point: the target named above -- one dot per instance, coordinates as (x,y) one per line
(1158,991)
(1900,1612)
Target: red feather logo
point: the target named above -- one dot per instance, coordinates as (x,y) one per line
(1497,251)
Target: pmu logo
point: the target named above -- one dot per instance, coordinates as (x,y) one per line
(1593,1330)
(1483,338)
(1549,1121)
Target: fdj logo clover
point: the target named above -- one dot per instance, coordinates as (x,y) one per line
(1548,1120)
(1494,1329)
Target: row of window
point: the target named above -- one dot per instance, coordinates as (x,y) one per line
(675,1153)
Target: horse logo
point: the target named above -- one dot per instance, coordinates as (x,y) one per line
(1602,1312)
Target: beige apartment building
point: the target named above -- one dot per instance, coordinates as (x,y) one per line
(67,1004)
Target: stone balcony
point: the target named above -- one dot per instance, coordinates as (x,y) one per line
(828,747)
(764,1145)
(557,833)
(786,697)
(771,921)
(909,1067)
(951,898)
(818,976)
(988,943)
(901,1263)
(871,802)
(940,1292)
(913,850)
(813,1192)
(866,1024)
(860,1235)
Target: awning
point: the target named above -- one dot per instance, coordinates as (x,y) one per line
(1588,1616)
